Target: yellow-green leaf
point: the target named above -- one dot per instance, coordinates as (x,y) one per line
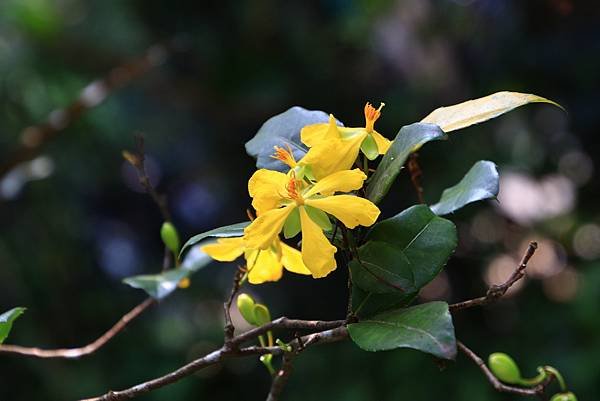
(476,111)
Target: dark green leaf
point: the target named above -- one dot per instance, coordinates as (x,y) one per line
(426,240)
(382,268)
(233,230)
(426,327)
(366,304)
(481,182)
(160,285)
(6,321)
(408,139)
(282,130)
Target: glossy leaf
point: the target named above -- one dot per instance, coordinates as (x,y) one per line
(476,111)
(426,327)
(282,130)
(366,304)
(408,139)
(158,286)
(233,230)
(481,182)
(6,321)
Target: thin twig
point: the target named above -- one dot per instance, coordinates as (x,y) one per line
(229,327)
(497,384)
(281,377)
(72,353)
(34,138)
(288,324)
(337,334)
(415,175)
(497,291)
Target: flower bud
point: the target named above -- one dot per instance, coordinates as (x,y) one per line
(245,305)
(568,396)
(261,314)
(169,236)
(504,368)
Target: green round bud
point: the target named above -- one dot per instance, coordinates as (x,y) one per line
(245,305)
(261,314)
(504,368)
(568,396)
(169,236)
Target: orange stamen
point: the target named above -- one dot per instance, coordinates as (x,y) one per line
(285,155)
(371,115)
(294,190)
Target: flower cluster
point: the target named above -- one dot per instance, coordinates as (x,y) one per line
(320,186)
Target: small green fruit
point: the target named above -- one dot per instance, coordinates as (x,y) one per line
(245,305)
(504,368)
(569,396)
(261,314)
(169,236)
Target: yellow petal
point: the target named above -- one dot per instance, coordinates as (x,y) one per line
(317,252)
(313,134)
(225,249)
(261,233)
(333,155)
(479,110)
(341,181)
(266,187)
(265,267)
(292,260)
(383,144)
(350,210)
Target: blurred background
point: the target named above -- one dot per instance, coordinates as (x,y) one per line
(74,221)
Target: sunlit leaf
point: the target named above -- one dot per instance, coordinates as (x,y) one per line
(6,321)
(426,327)
(233,230)
(408,139)
(476,111)
(481,182)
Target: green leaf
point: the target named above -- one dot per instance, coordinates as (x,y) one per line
(382,268)
(481,182)
(282,130)
(365,304)
(426,327)
(6,321)
(475,111)
(319,217)
(292,226)
(158,286)
(369,148)
(408,139)
(233,230)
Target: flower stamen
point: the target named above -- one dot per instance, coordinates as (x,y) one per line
(371,115)
(285,156)
(293,189)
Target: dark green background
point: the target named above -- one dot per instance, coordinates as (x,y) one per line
(67,240)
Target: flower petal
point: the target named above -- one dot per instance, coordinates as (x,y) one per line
(313,134)
(261,233)
(317,252)
(292,260)
(341,181)
(265,267)
(350,210)
(383,144)
(333,155)
(225,249)
(266,188)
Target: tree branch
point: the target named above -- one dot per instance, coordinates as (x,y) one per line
(497,291)
(415,175)
(336,334)
(281,377)
(229,328)
(71,353)
(497,384)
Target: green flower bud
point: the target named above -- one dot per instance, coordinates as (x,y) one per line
(245,305)
(504,368)
(569,396)
(261,314)
(169,236)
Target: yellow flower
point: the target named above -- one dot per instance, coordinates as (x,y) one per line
(263,265)
(279,197)
(345,143)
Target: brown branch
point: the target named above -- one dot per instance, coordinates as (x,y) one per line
(336,334)
(415,175)
(497,291)
(281,377)
(34,138)
(235,287)
(72,353)
(497,384)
